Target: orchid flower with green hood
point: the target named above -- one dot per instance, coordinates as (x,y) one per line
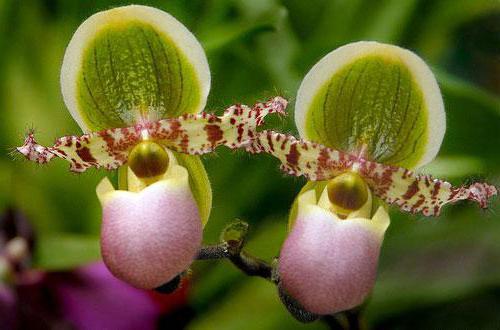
(367,113)
(136,80)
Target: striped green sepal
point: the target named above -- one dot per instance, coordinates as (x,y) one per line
(373,99)
(133,64)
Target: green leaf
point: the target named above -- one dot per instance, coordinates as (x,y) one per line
(65,251)
(252,305)
(224,34)
(373,98)
(427,263)
(473,121)
(442,18)
(446,166)
(131,64)
(387,20)
(458,87)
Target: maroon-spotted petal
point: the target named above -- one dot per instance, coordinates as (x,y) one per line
(395,185)
(193,134)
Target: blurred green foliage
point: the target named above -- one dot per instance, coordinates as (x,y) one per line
(434,273)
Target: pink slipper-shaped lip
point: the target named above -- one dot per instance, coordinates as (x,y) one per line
(328,264)
(150,236)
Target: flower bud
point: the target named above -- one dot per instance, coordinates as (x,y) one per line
(329,264)
(150,236)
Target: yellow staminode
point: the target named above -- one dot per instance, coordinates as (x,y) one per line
(148,159)
(347,192)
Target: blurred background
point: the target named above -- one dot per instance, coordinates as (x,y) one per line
(434,273)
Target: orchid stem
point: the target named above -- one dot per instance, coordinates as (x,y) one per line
(231,248)
(333,323)
(247,263)
(213,252)
(252,266)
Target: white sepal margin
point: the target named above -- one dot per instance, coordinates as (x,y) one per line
(162,21)
(334,61)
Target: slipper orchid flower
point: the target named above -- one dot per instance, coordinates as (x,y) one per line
(136,80)
(367,114)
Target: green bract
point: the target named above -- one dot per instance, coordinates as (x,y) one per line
(375,98)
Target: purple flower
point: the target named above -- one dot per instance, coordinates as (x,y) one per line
(89,297)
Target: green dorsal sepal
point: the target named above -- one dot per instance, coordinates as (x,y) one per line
(133,64)
(373,98)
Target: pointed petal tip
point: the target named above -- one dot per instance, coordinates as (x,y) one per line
(481,193)
(103,189)
(278,105)
(34,152)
